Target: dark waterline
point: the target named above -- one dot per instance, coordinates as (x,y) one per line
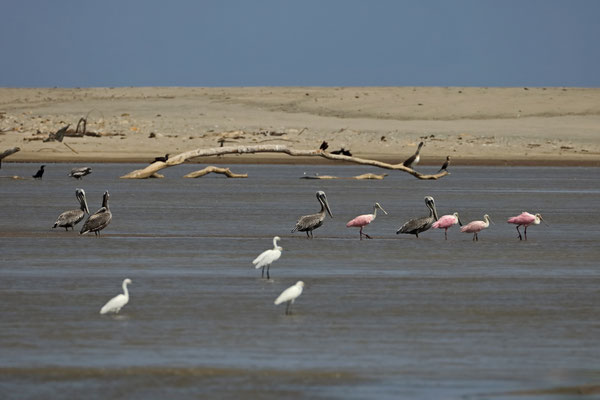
(393,317)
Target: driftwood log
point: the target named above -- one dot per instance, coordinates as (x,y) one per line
(273,148)
(225,171)
(359,177)
(7,153)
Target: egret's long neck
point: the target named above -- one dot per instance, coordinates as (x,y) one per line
(125,291)
(274,243)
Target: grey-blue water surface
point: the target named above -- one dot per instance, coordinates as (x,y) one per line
(388,318)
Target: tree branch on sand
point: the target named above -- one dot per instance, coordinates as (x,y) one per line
(225,171)
(273,148)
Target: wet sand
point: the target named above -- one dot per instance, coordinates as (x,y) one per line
(476,126)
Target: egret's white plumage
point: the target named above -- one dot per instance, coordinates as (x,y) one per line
(116,303)
(289,295)
(267,257)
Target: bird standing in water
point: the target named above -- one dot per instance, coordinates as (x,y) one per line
(289,295)
(99,220)
(475,227)
(308,223)
(363,220)
(267,257)
(39,173)
(525,219)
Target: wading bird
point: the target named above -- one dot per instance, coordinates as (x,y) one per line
(418,225)
(80,172)
(289,295)
(446,221)
(308,223)
(363,220)
(414,159)
(99,220)
(475,227)
(115,304)
(267,257)
(39,173)
(525,219)
(445,165)
(70,218)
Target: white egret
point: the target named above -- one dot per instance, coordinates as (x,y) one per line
(116,303)
(267,257)
(289,295)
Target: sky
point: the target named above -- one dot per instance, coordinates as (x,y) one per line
(506,43)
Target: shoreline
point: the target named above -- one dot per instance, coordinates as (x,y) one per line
(474,125)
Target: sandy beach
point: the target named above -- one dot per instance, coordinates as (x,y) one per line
(474,125)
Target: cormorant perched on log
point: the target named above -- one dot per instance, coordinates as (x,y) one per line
(39,173)
(445,164)
(163,159)
(414,159)
(324,146)
(343,152)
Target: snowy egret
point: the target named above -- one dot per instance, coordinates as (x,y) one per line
(115,304)
(267,257)
(289,295)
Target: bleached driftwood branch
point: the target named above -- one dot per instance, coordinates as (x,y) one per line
(225,171)
(8,152)
(273,148)
(360,177)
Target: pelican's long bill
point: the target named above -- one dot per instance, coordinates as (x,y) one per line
(80,193)
(323,201)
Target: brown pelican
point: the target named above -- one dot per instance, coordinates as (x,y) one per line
(80,172)
(414,159)
(445,164)
(40,173)
(418,225)
(99,220)
(72,217)
(308,223)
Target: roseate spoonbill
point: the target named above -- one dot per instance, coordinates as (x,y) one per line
(362,220)
(39,173)
(446,221)
(525,219)
(267,257)
(115,304)
(418,225)
(80,172)
(99,220)
(69,219)
(308,223)
(289,295)
(414,159)
(445,165)
(476,226)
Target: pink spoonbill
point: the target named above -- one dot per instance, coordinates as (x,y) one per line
(525,219)
(475,227)
(363,220)
(446,221)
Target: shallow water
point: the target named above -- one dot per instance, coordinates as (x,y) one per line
(393,317)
